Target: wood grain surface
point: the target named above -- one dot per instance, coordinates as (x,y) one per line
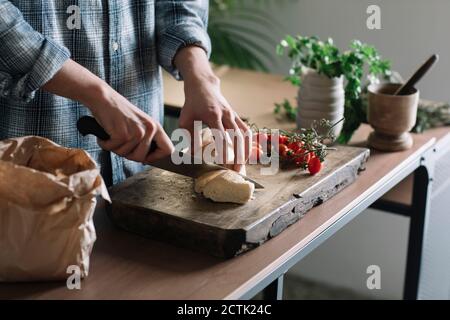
(163,205)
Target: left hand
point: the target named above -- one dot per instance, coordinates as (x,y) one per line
(205,102)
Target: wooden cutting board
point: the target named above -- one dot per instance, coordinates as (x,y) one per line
(162,205)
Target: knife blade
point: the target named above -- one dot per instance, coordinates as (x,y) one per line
(194,168)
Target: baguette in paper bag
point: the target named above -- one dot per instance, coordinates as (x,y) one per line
(47,201)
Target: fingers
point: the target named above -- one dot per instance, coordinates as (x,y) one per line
(213,109)
(165,146)
(229,121)
(228,124)
(220,140)
(130,129)
(247,133)
(124,140)
(140,152)
(195,134)
(187,122)
(134,142)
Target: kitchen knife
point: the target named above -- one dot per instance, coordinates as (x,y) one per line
(88,125)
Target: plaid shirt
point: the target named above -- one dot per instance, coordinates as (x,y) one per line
(123,42)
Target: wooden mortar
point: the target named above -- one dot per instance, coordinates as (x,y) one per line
(392,117)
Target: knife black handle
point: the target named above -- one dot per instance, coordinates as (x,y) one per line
(88,125)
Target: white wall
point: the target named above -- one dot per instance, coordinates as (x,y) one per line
(411,31)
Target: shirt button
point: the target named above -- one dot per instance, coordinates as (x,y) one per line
(115,46)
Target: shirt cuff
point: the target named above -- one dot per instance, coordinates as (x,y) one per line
(51,58)
(176,38)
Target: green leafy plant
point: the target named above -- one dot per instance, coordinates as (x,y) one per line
(287,108)
(240,34)
(327,59)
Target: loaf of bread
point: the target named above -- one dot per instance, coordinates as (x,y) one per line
(223,185)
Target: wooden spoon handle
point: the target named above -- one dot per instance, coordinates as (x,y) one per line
(405,89)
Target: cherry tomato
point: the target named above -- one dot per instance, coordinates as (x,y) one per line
(302,156)
(314,165)
(290,153)
(283,139)
(283,150)
(294,146)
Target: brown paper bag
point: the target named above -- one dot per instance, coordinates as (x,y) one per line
(47,201)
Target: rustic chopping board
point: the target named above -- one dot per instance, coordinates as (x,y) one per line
(163,205)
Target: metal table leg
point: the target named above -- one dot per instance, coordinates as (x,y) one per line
(274,291)
(419,213)
(271,291)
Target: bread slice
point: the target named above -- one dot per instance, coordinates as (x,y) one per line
(201,182)
(225,186)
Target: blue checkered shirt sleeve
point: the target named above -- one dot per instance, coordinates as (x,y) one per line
(28,60)
(179,24)
(124,42)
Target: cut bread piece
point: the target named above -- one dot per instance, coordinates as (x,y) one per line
(202,181)
(225,186)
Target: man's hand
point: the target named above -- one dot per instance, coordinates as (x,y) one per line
(205,102)
(131,130)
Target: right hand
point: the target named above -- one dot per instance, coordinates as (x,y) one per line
(131,130)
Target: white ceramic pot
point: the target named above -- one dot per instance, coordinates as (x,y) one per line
(320,97)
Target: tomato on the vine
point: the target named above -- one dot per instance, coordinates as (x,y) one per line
(295,146)
(283,139)
(284,151)
(303,156)
(314,165)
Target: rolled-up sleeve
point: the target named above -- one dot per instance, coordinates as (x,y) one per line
(180,24)
(28,60)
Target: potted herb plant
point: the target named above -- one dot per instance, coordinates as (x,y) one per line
(319,68)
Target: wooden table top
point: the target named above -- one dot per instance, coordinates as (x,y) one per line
(125,266)
(253,95)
